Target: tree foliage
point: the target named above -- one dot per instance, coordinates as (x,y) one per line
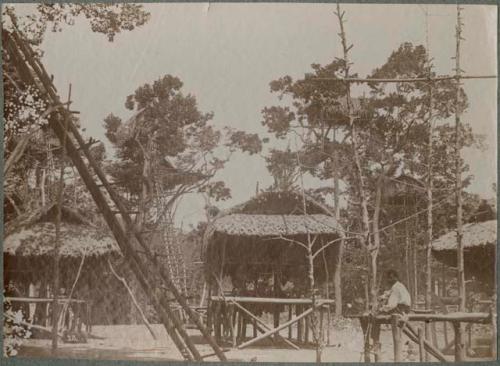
(392,124)
(105,18)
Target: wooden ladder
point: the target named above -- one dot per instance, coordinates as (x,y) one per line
(32,72)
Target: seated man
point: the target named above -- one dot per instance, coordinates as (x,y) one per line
(398,297)
(398,302)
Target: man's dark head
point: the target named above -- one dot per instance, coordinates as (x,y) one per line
(392,276)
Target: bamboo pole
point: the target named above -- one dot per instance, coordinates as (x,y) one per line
(134,300)
(429,186)
(57,242)
(402,80)
(70,296)
(459,344)
(459,349)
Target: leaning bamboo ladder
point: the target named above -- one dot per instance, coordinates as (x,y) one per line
(32,72)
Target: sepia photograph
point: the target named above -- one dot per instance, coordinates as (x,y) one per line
(249,182)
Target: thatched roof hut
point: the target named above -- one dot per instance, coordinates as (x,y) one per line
(34,235)
(28,249)
(259,240)
(480,243)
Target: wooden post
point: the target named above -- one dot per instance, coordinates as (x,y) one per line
(276,291)
(290,309)
(321,329)
(307,325)
(396,337)
(298,310)
(376,341)
(235,327)
(494,339)
(366,328)
(445,331)
(459,346)
(433,334)
(243,326)
(329,326)
(421,349)
(239,326)
(217,322)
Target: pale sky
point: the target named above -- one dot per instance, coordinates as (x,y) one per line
(226,54)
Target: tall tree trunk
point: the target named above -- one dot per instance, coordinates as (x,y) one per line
(458,168)
(337,274)
(365,221)
(376,239)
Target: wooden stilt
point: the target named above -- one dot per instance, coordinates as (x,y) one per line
(396,338)
(243,327)
(235,327)
(421,349)
(434,335)
(494,340)
(445,333)
(307,326)
(321,328)
(298,310)
(366,328)
(459,344)
(376,341)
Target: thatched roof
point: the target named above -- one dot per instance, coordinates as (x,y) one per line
(34,235)
(474,235)
(275,225)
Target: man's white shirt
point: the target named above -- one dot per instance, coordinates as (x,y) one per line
(398,295)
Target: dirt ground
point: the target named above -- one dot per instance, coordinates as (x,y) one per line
(134,342)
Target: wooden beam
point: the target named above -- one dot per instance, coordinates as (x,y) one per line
(401,80)
(270,300)
(479,318)
(276,330)
(412,333)
(261,323)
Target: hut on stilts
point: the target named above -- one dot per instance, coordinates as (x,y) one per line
(84,251)
(257,268)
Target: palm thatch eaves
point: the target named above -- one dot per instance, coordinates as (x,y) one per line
(34,235)
(474,235)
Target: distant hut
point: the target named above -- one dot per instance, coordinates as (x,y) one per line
(28,250)
(480,243)
(249,251)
